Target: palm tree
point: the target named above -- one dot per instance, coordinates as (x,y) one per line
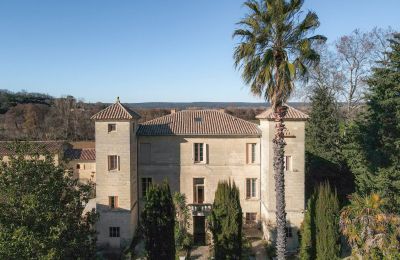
(274,50)
(370,230)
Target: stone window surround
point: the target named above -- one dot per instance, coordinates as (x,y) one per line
(251,192)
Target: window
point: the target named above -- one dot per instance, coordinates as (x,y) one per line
(146,183)
(288,163)
(112,128)
(114,231)
(251,188)
(198,190)
(251,218)
(199,152)
(78,166)
(251,153)
(113,202)
(113,162)
(289,232)
(145,151)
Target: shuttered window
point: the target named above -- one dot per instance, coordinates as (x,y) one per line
(251,188)
(113,163)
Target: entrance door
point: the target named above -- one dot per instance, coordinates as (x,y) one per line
(199,232)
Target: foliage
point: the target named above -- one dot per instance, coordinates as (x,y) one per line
(183,240)
(373,141)
(371,231)
(324,160)
(322,131)
(320,229)
(275,48)
(307,243)
(41,210)
(327,223)
(158,223)
(226,221)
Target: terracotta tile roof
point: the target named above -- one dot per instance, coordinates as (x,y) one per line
(52,147)
(84,154)
(198,122)
(116,111)
(292,114)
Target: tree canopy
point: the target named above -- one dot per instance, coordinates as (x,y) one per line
(41,210)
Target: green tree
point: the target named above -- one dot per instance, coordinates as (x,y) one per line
(158,223)
(322,131)
(226,222)
(327,223)
(41,209)
(373,144)
(275,48)
(183,240)
(371,231)
(307,246)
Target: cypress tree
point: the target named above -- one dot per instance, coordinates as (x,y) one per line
(327,223)
(374,139)
(324,160)
(322,131)
(158,223)
(307,246)
(226,222)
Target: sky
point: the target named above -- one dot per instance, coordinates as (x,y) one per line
(146,51)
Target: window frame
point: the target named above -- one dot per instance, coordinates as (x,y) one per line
(252,192)
(113,202)
(117,163)
(145,180)
(251,153)
(249,220)
(288,166)
(200,153)
(114,232)
(195,190)
(112,127)
(141,153)
(289,232)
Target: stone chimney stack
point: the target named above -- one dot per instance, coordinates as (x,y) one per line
(173,111)
(222,110)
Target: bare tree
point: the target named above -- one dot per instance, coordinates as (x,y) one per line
(325,75)
(357,53)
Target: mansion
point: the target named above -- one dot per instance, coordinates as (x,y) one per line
(192,150)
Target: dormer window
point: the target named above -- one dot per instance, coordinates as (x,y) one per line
(197,119)
(112,128)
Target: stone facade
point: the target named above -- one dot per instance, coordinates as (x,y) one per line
(119,182)
(165,152)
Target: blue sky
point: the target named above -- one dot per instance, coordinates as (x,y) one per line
(145,50)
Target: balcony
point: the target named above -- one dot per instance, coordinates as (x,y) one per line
(200,209)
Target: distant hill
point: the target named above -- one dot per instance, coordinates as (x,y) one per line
(187,105)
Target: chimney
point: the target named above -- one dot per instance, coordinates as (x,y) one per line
(173,111)
(222,110)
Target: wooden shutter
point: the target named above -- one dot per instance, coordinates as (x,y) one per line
(118,162)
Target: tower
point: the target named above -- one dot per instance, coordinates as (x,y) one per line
(294,174)
(116,175)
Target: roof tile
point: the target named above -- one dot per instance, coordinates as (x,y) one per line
(84,154)
(116,111)
(292,114)
(198,122)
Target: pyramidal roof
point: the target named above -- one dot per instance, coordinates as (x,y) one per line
(116,111)
(292,114)
(198,122)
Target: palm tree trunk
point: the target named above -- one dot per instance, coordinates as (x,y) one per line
(279,151)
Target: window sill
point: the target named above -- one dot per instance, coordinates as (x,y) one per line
(252,199)
(199,163)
